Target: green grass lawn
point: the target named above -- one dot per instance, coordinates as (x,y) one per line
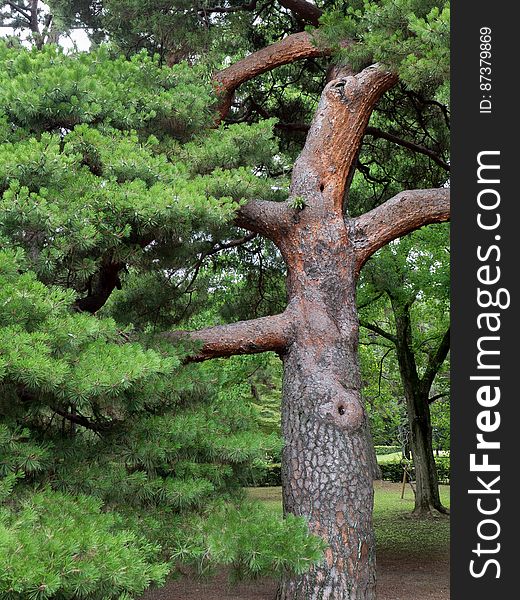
(397,456)
(397,532)
(389,458)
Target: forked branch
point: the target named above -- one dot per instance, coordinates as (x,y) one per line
(405,212)
(321,173)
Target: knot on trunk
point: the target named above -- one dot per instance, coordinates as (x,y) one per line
(344,408)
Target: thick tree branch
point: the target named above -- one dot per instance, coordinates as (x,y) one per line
(307,12)
(106,281)
(245,337)
(398,216)
(78,419)
(270,219)
(438,397)
(378,330)
(34,21)
(294,47)
(378,133)
(321,172)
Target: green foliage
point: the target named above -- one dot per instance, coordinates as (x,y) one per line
(48,89)
(54,545)
(93,166)
(110,167)
(298,203)
(68,357)
(411,275)
(144,455)
(410,36)
(440,413)
(268,474)
(107,162)
(392,471)
(392,468)
(258,544)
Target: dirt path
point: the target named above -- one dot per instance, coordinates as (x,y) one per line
(398,579)
(410,578)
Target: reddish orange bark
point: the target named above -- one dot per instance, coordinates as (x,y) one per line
(327,468)
(292,48)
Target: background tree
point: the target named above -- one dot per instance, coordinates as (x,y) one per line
(409,281)
(30,16)
(178,197)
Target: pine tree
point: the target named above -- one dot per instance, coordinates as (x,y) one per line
(153,204)
(97,171)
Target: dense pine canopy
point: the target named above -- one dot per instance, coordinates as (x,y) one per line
(99,168)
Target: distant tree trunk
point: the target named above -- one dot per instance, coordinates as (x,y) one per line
(374,465)
(427,498)
(416,391)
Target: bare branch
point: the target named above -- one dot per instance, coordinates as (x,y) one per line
(21,10)
(230,244)
(378,330)
(321,172)
(378,133)
(294,47)
(398,216)
(245,337)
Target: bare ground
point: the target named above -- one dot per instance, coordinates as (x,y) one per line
(418,576)
(399,578)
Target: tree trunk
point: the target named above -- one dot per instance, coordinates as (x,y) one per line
(427,498)
(327,474)
(416,391)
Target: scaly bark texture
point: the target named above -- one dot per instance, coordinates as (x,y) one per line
(398,216)
(245,337)
(327,470)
